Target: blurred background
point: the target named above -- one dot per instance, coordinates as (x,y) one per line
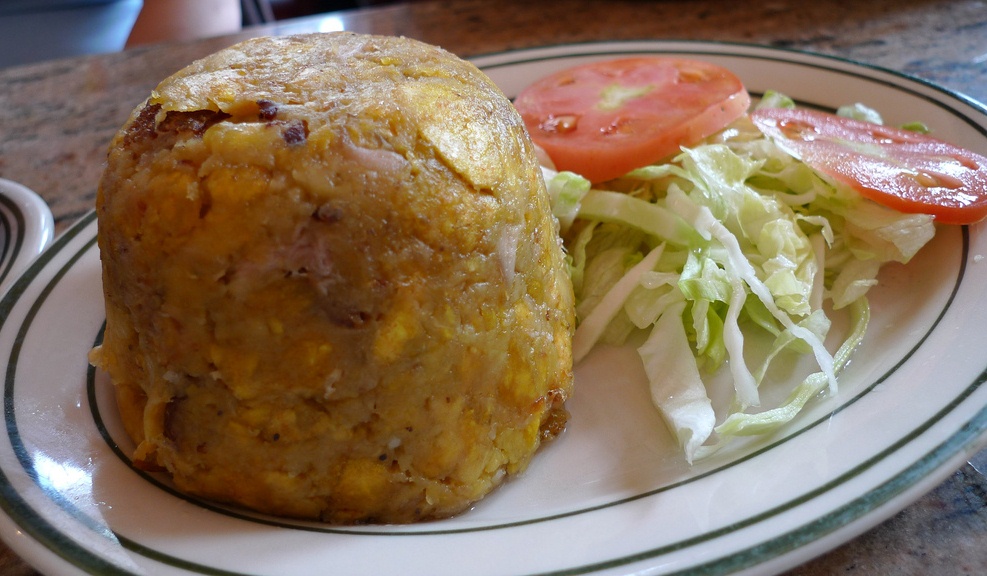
(36,30)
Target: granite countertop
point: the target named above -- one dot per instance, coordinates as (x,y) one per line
(57,117)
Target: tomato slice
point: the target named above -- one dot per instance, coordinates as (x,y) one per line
(905,170)
(603,119)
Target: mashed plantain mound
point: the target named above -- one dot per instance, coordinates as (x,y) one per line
(334,288)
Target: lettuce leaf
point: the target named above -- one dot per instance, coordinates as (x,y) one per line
(732,236)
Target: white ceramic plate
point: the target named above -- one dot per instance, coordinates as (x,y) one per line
(26,228)
(611,496)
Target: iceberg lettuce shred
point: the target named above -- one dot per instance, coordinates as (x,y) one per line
(730,236)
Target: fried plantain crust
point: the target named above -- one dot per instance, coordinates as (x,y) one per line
(334,287)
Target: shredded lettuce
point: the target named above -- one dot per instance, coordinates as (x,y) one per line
(593,325)
(775,99)
(677,387)
(566,190)
(861,112)
(733,236)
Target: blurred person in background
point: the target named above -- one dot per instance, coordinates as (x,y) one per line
(162,20)
(36,30)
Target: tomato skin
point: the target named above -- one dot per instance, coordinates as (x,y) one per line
(603,119)
(905,170)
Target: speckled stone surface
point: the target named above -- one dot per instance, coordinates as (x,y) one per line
(56,119)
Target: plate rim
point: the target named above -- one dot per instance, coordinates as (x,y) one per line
(934,461)
(753,556)
(27,229)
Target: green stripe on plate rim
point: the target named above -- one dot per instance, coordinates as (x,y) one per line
(58,542)
(12,243)
(49,536)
